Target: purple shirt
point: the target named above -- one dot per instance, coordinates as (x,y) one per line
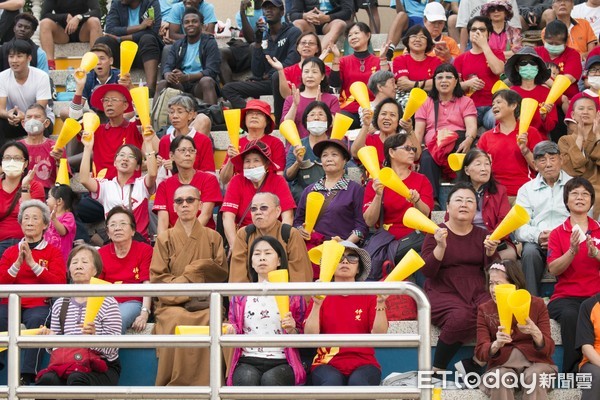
(327,98)
(64,243)
(451,115)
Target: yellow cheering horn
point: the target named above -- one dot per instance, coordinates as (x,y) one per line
(88,62)
(504,312)
(416,98)
(203,330)
(314,203)
(528,109)
(315,253)
(283,302)
(368,157)
(232,121)
(141,100)
(330,259)
(94,303)
(455,161)
(128,51)
(341,124)
(499,85)
(409,264)
(62,176)
(391,180)
(289,130)
(516,218)
(415,219)
(24,332)
(519,302)
(560,85)
(360,92)
(68,131)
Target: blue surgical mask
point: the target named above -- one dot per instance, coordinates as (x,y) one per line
(528,72)
(554,48)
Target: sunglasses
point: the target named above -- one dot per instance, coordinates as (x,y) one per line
(261,208)
(523,63)
(179,201)
(351,258)
(407,148)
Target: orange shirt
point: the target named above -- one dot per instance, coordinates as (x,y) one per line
(580,35)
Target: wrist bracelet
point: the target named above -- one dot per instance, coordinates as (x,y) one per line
(572,251)
(24,190)
(152,153)
(382,308)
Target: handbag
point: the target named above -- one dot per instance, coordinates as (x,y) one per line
(399,307)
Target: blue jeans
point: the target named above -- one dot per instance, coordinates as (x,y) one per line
(326,375)
(485,117)
(130,310)
(32,318)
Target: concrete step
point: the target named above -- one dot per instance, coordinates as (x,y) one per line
(59,76)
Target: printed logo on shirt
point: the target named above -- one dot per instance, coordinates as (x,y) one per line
(358,313)
(282,42)
(43,263)
(136,272)
(561,66)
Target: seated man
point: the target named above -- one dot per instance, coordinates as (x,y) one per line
(265,211)
(533,13)
(138,21)
(326,18)
(25,26)
(434,20)
(20,87)
(8,10)
(194,61)
(68,22)
(543,199)
(581,35)
(175,18)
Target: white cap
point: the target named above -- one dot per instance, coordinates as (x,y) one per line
(434,12)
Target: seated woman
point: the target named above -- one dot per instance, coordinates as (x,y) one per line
(446,112)
(527,350)
(575,262)
(257,121)
(528,72)
(347,366)
(302,166)
(503,37)
(341,214)
(382,204)
(259,315)
(31,261)
(84,264)
(454,260)
(492,201)
(255,173)
(506,143)
(579,150)
(182,155)
(127,261)
(314,86)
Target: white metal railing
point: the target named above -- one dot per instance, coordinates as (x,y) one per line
(215,341)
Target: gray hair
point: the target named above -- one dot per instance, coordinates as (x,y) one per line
(34,203)
(273,197)
(379,78)
(183,101)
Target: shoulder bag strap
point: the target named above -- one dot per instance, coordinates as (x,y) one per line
(326,203)
(63,313)
(436,105)
(381,211)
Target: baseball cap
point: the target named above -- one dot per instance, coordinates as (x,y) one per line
(276,3)
(434,12)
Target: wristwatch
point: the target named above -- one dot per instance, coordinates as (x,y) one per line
(79,17)
(145,309)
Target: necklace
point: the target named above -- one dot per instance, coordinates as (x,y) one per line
(362,64)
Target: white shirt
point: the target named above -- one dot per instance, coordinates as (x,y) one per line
(591,15)
(36,87)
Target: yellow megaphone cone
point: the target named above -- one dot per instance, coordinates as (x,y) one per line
(23,332)
(232,120)
(91,122)
(360,92)
(289,130)
(409,264)
(391,180)
(330,259)
(519,302)
(68,131)
(528,109)
(128,51)
(455,161)
(516,218)
(504,312)
(368,157)
(314,254)
(499,85)
(560,85)
(341,124)
(192,330)
(283,302)
(94,303)
(314,203)
(88,62)
(415,219)
(141,101)
(416,98)
(62,176)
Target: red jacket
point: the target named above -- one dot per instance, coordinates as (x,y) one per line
(494,207)
(48,256)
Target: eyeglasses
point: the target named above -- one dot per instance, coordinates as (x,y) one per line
(468,200)
(112,100)
(351,258)
(523,63)
(303,43)
(115,225)
(442,77)
(125,155)
(183,150)
(595,71)
(254,209)
(13,158)
(407,148)
(479,29)
(417,37)
(583,195)
(190,200)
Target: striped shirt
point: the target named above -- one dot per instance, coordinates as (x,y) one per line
(108,322)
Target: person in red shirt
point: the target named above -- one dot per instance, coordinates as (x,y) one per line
(479,68)
(31,261)
(257,121)
(505,144)
(255,173)
(182,155)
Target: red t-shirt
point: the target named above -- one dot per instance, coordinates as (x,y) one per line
(346,314)
(108,139)
(350,72)
(205,160)
(394,205)
(274,143)
(508,164)
(39,155)
(539,93)
(241,190)
(206,183)
(9,226)
(133,268)
(405,65)
(469,64)
(569,62)
(293,74)
(374,140)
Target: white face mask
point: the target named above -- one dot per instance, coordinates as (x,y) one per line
(34,126)
(13,168)
(594,82)
(316,128)
(255,174)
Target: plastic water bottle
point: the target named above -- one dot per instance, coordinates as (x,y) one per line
(70,84)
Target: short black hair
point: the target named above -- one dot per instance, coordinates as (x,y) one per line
(556,28)
(446,67)
(276,245)
(324,85)
(122,210)
(28,17)
(175,144)
(413,30)
(481,18)
(317,104)
(378,108)
(19,46)
(459,186)
(192,10)
(511,98)
(577,182)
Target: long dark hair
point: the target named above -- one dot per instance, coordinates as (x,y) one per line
(175,144)
(471,156)
(64,192)
(324,85)
(457,92)
(276,245)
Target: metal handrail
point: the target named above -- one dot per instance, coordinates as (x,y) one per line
(215,341)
